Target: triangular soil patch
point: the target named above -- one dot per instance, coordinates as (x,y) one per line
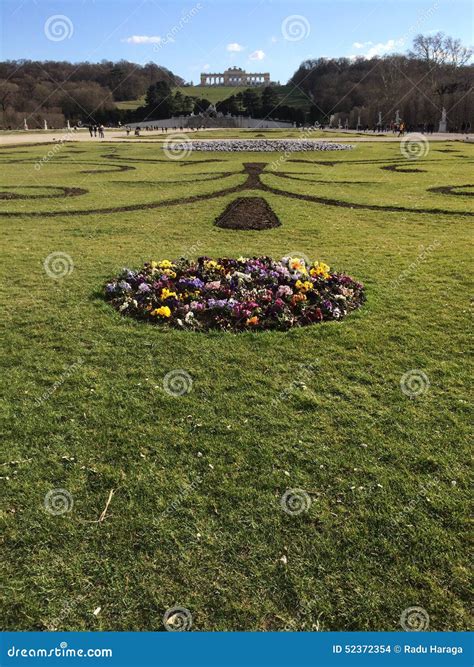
(248,213)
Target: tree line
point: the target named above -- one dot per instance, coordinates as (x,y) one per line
(436,73)
(56,91)
(162,102)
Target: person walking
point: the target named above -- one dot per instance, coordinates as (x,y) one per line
(91,130)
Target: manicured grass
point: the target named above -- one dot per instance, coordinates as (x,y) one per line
(212,93)
(267,133)
(195,519)
(287,95)
(131,104)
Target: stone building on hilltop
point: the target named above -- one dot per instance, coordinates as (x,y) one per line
(235,76)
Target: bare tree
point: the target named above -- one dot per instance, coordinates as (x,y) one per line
(429,48)
(8,92)
(456,54)
(440,50)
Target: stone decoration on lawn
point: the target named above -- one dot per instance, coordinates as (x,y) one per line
(257,145)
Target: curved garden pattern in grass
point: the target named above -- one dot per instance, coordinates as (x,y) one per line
(196,518)
(235,294)
(246,176)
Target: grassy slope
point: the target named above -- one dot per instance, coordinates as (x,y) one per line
(287,95)
(318,408)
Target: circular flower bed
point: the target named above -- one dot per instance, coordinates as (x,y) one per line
(234,294)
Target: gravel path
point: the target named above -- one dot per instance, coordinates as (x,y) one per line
(51,136)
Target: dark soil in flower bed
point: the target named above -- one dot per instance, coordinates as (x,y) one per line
(248,213)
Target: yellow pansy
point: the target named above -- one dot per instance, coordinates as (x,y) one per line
(320,269)
(297,264)
(165,293)
(165,264)
(304,286)
(212,264)
(164,311)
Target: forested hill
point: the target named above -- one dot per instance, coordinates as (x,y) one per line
(53,87)
(436,73)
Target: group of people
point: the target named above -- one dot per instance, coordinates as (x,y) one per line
(95,130)
(155,128)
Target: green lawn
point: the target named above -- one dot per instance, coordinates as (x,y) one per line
(287,95)
(212,93)
(267,133)
(195,519)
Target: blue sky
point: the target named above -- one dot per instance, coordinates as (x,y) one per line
(202,35)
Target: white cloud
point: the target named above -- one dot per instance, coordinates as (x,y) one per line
(143,39)
(274,40)
(257,55)
(234,47)
(379,49)
(206,67)
(382,48)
